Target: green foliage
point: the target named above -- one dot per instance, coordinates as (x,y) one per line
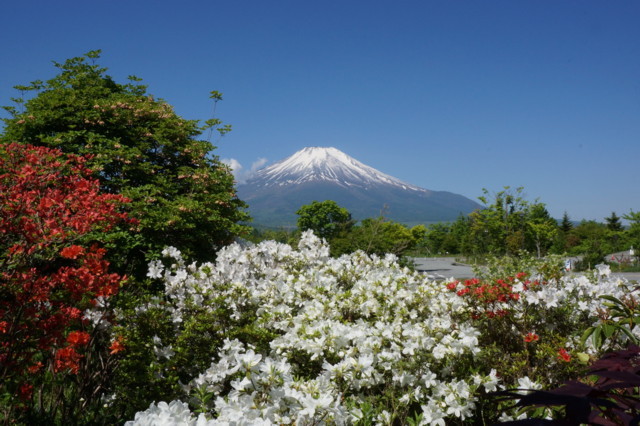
(617,323)
(590,239)
(633,232)
(139,147)
(498,267)
(446,238)
(510,225)
(326,219)
(282,235)
(566,225)
(541,228)
(378,236)
(162,354)
(613,222)
(606,394)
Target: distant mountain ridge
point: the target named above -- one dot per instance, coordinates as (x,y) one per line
(276,192)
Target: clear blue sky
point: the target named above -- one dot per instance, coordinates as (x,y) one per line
(447,95)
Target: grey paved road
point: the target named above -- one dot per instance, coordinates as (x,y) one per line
(442,267)
(447,267)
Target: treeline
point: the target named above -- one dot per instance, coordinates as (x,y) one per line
(335,224)
(508,225)
(511,225)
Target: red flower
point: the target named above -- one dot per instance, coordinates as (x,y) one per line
(462,292)
(72,252)
(563,355)
(25,392)
(35,367)
(67,358)
(531,337)
(116,346)
(78,338)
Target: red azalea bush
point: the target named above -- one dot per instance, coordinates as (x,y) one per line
(49,273)
(519,339)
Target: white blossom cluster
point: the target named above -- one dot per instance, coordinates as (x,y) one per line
(363,323)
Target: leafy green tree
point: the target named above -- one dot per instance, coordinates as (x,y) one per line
(378,236)
(460,236)
(436,238)
(633,231)
(139,147)
(500,227)
(591,241)
(510,225)
(325,218)
(542,228)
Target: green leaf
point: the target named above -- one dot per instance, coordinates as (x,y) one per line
(597,338)
(608,329)
(612,299)
(588,332)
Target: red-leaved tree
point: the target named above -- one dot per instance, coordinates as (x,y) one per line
(50,274)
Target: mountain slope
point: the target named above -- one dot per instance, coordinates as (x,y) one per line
(276,192)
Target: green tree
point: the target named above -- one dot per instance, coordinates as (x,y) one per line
(437,237)
(542,228)
(325,218)
(591,241)
(378,236)
(500,227)
(510,225)
(139,147)
(566,225)
(613,222)
(562,241)
(616,234)
(633,231)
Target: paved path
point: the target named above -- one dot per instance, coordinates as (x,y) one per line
(447,267)
(631,276)
(442,267)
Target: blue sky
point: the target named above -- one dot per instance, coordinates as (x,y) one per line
(447,95)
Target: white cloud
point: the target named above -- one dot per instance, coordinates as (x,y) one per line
(239,172)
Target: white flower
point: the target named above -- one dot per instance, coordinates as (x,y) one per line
(432,414)
(604,270)
(525,383)
(248,360)
(155,269)
(491,381)
(174,413)
(311,404)
(172,252)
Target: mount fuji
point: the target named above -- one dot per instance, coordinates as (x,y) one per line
(276,192)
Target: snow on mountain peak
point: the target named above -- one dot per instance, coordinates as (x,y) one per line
(313,164)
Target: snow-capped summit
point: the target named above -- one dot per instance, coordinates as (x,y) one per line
(317,164)
(276,192)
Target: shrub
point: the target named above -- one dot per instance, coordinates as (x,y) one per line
(50,276)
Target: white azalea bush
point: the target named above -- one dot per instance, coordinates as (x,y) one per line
(273,335)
